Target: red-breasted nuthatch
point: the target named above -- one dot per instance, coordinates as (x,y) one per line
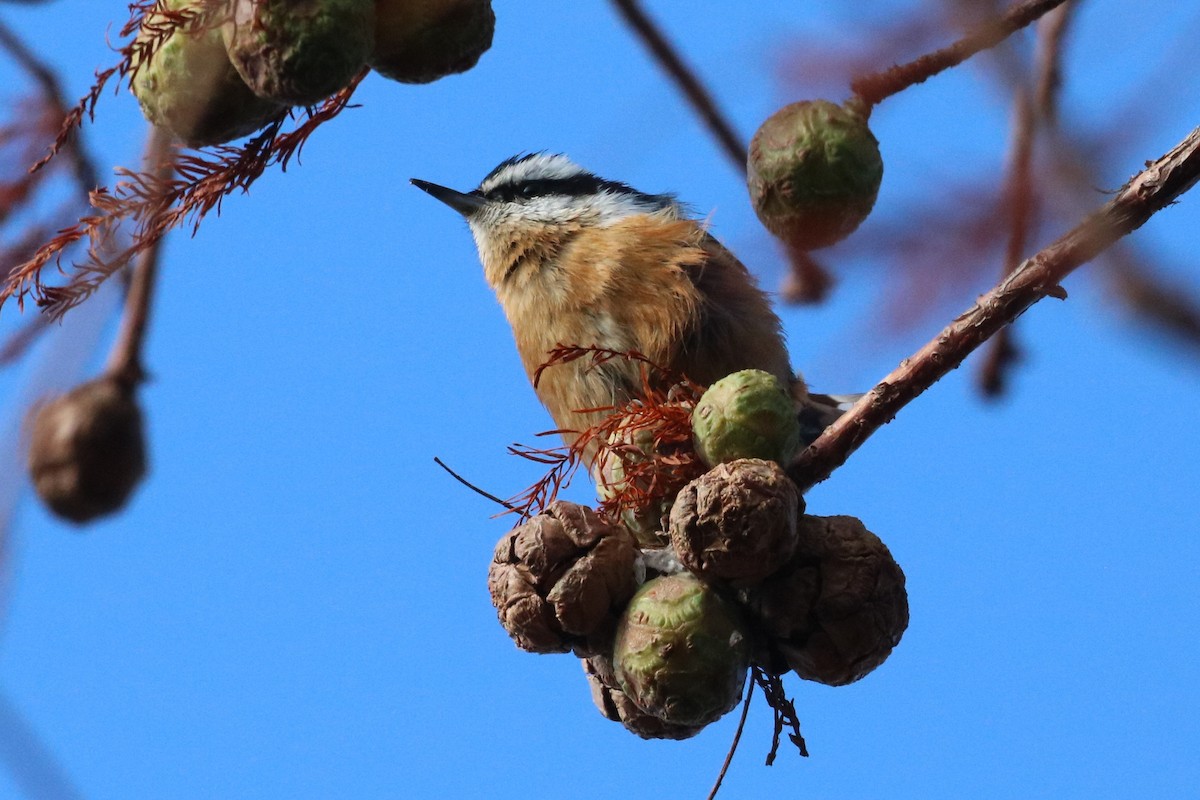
(577,260)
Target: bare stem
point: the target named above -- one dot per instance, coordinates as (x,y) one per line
(125,360)
(872,89)
(1034,110)
(1052,31)
(473,487)
(733,746)
(1002,351)
(807,282)
(686,80)
(1146,193)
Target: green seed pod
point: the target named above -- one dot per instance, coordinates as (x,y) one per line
(190,87)
(614,704)
(419,41)
(87,451)
(299,51)
(748,414)
(680,652)
(813,173)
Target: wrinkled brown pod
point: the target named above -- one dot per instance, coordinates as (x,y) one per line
(559,580)
(838,608)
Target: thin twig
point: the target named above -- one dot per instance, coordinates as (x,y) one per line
(686,80)
(1148,192)
(872,89)
(733,746)
(29,761)
(807,281)
(1034,111)
(1002,352)
(1169,307)
(125,360)
(1051,33)
(473,487)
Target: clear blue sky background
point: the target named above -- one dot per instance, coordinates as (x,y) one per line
(294,604)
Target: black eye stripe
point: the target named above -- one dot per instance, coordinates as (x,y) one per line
(573,186)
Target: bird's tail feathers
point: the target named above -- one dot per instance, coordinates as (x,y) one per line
(818,411)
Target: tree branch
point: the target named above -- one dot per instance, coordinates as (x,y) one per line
(873,89)
(686,80)
(1146,193)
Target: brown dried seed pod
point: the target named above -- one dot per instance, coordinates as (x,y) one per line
(737,522)
(838,608)
(419,41)
(559,580)
(614,704)
(87,451)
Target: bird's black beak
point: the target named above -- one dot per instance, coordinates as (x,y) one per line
(465,204)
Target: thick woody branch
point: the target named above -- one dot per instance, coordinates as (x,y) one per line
(1146,193)
(872,89)
(686,80)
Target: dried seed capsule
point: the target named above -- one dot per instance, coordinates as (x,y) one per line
(748,414)
(813,173)
(680,652)
(838,608)
(614,704)
(86,450)
(418,41)
(190,87)
(737,522)
(299,51)
(559,580)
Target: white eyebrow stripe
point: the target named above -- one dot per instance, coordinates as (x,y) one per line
(537,167)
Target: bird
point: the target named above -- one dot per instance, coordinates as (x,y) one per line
(577,260)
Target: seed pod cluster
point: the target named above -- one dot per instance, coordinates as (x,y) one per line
(211,71)
(736,573)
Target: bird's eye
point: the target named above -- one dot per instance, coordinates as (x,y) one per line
(527,190)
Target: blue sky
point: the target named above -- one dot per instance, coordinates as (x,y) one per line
(294,604)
